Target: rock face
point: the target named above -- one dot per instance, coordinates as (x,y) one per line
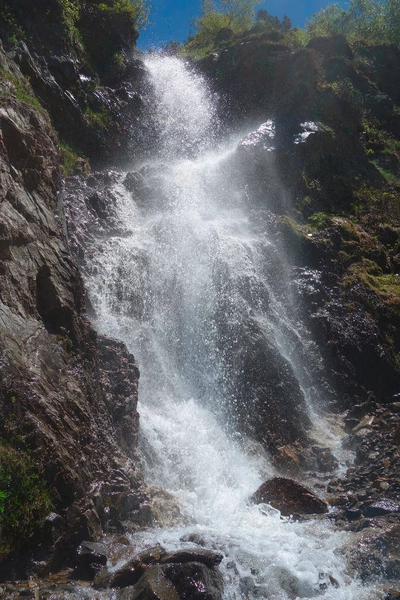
(76,59)
(289,497)
(315,168)
(78,422)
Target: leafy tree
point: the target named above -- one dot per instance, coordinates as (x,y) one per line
(236,15)
(239,12)
(286,23)
(262,15)
(272,22)
(329,21)
(392,21)
(368,20)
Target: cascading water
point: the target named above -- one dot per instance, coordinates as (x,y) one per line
(190,280)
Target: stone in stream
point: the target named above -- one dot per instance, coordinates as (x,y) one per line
(152,586)
(381,507)
(289,497)
(132,571)
(90,559)
(182,574)
(176,582)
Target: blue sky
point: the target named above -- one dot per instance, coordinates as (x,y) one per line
(170,19)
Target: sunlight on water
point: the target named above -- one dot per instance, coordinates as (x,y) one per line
(157,288)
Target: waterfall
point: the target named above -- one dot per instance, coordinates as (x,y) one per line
(191,281)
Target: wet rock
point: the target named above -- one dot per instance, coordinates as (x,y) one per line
(361,524)
(318,458)
(160,507)
(129,574)
(52,394)
(352,514)
(396,436)
(134,182)
(374,555)
(392,595)
(154,585)
(289,497)
(383,506)
(100,204)
(206,557)
(90,559)
(179,575)
(195,581)
(287,460)
(267,402)
(120,375)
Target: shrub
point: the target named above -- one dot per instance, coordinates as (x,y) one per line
(24,499)
(369,20)
(237,15)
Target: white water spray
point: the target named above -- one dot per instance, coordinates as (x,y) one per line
(192,241)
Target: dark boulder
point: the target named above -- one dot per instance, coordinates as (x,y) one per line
(289,497)
(195,581)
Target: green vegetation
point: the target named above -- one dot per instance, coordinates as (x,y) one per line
(72,162)
(135,10)
(18,87)
(223,25)
(98,119)
(372,21)
(66,23)
(387,285)
(319,220)
(70,16)
(24,499)
(222,19)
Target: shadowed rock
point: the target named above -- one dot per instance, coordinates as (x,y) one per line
(132,571)
(191,580)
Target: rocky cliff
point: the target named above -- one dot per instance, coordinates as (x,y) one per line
(69,467)
(326,163)
(67,396)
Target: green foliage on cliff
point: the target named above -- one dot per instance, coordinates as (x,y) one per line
(234,15)
(65,25)
(368,20)
(24,499)
(19,87)
(226,25)
(137,11)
